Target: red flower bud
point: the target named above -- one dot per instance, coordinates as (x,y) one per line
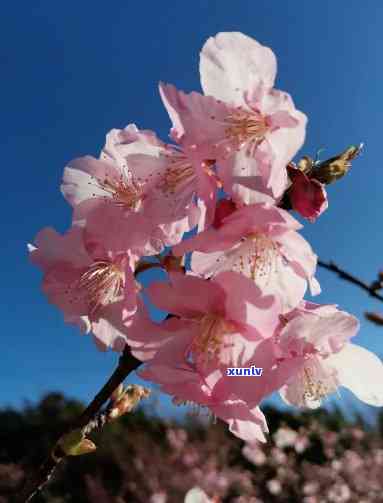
(307,196)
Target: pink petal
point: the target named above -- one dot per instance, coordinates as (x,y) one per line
(81,179)
(232,64)
(52,248)
(248,425)
(187,296)
(245,303)
(249,179)
(299,253)
(198,121)
(361,372)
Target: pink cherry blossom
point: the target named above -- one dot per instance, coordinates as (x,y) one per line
(259,241)
(169,364)
(239,71)
(92,286)
(218,324)
(110,178)
(321,335)
(237,138)
(136,173)
(276,372)
(307,196)
(249,128)
(218,316)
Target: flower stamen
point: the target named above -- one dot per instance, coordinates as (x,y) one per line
(103,282)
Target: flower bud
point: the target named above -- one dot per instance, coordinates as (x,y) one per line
(74,444)
(333,169)
(128,400)
(307,196)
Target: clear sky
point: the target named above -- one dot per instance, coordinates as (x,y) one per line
(73,70)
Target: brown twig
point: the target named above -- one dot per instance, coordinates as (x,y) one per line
(86,421)
(370,289)
(376,318)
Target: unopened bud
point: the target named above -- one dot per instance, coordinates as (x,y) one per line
(74,444)
(306,195)
(131,397)
(335,168)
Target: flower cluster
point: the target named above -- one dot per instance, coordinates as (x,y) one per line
(225,177)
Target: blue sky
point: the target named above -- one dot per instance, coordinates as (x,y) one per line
(73,70)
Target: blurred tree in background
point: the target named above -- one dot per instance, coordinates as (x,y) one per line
(311,457)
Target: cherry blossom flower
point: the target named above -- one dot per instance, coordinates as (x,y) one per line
(136,173)
(217,323)
(259,241)
(189,385)
(90,285)
(251,130)
(321,334)
(238,70)
(167,351)
(215,318)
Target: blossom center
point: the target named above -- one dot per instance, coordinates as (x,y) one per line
(317,384)
(179,171)
(243,126)
(257,256)
(209,341)
(103,282)
(124,193)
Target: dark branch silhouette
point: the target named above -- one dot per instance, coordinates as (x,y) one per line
(371,289)
(87,421)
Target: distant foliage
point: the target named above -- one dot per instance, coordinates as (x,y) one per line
(314,457)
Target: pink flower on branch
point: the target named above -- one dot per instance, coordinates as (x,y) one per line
(217,324)
(259,241)
(136,174)
(250,129)
(93,286)
(321,336)
(241,304)
(174,371)
(218,316)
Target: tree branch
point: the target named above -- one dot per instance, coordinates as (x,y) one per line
(127,363)
(370,289)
